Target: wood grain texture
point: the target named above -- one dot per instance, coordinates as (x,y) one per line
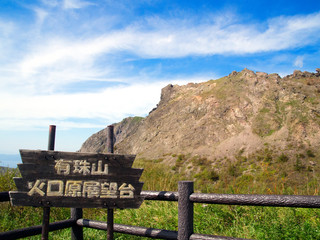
(22,199)
(77,180)
(46,157)
(29,170)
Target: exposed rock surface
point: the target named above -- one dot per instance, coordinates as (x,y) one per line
(97,142)
(215,119)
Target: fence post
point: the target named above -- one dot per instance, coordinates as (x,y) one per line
(110,145)
(76,231)
(185,210)
(110,136)
(46,210)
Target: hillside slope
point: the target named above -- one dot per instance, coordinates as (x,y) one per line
(240,113)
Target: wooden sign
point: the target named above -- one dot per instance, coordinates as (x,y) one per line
(78,180)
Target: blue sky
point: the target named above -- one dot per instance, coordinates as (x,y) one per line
(82,65)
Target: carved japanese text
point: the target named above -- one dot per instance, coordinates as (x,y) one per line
(79,188)
(81,167)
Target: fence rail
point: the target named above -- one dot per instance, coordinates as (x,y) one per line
(185,198)
(36,230)
(298,201)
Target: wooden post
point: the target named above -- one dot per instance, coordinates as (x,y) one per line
(76,231)
(45,223)
(46,210)
(185,210)
(110,136)
(110,224)
(110,145)
(52,137)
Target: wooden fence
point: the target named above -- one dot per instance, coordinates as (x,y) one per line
(185,197)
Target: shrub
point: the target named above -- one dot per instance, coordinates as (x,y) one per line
(212,175)
(234,171)
(206,175)
(181,158)
(283,158)
(200,161)
(267,158)
(298,166)
(310,153)
(6,179)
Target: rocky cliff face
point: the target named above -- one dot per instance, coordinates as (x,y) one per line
(97,142)
(244,111)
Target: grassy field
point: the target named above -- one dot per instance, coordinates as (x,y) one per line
(236,221)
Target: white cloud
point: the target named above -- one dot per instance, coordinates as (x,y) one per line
(298,62)
(169,39)
(75,4)
(183,40)
(110,104)
(41,15)
(173,39)
(6,28)
(56,50)
(35,123)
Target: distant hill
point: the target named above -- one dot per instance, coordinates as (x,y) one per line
(243,113)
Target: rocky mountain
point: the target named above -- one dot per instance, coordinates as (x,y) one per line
(97,142)
(243,112)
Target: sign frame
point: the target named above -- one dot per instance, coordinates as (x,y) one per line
(77,180)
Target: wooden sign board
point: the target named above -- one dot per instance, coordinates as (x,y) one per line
(78,180)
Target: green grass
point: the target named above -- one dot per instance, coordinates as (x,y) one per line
(253,176)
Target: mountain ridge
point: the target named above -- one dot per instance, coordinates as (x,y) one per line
(242,112)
